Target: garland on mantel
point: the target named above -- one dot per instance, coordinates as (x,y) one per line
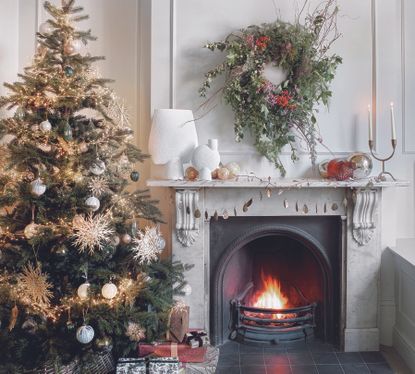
(277,113)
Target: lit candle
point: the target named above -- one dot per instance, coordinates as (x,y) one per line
(369,113)
(393,123)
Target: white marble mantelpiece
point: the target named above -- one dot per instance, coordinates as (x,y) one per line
(358,203)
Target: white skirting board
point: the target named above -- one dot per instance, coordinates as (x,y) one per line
(405,348)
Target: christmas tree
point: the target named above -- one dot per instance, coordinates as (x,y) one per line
(79,253)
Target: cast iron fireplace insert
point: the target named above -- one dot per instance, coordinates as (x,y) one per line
(291,262)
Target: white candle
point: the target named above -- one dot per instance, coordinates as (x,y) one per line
(369,113)
(393,123)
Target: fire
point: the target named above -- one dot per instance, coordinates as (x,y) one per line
(270,296)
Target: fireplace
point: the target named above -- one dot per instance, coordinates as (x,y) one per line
(275,279)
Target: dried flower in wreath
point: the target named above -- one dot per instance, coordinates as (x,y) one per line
(276,75)
(92,232)
(148,245)
(33,287)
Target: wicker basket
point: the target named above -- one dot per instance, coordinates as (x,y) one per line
(55,368)
(98,364)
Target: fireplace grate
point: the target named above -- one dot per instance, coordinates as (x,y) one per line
(272,326)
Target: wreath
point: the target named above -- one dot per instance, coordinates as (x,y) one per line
(278,112)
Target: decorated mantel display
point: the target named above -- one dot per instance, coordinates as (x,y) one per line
(276,75)
(80,273)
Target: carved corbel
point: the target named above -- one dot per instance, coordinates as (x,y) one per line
(365,204)
(187,225)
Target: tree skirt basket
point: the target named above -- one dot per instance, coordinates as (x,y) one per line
(96,364)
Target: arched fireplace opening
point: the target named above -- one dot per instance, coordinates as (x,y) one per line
(275,281)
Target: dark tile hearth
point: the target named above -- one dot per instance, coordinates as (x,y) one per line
(302,358)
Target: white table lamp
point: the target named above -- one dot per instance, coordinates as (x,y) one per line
(172,140)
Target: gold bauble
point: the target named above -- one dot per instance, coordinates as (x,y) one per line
(103,344)
(31,230)
(191,173)
(215,174)
(223,173)
(126,239)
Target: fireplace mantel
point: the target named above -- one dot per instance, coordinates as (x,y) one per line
(250,182)
(357,203)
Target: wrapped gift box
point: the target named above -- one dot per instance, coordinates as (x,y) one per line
(131,366)
(168,349)
(198,338)
(178,323)
(164,365)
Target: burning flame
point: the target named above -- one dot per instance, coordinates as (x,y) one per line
(270,296)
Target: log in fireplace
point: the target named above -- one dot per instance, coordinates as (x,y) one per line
(275,279)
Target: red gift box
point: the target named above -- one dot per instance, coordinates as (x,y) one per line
(182,351)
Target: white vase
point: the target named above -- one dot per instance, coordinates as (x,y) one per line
(206,156)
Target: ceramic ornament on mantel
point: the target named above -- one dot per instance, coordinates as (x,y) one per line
(206,158)
(172,140)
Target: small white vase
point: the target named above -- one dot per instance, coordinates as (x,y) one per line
(205,174)
(206,156)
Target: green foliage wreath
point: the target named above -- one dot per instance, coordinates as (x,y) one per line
(276,114)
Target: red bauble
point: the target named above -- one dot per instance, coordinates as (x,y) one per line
(333,168)
(345,171)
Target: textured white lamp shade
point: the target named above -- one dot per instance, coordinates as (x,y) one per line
(172,139)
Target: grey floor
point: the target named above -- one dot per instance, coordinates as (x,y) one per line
(302,358)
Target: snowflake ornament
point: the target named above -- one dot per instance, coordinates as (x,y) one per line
(148,245)
(98,186)
(91,233)
(34,287)
(135,332)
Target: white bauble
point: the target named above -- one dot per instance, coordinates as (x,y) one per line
(234,169)
(126,239)
(37,187)
(161,243)
(45,147)
(31,230)
(73,47)
(7,139)
(85,334)
(92,203)
(83,290)
(109,290)
(115,240)
(45,28)
(187,289)
(98,167)
(82,147)
(45,126)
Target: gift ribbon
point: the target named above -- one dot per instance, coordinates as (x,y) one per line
(174,350)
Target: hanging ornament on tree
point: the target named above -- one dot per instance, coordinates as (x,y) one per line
(126,239)
(92,203)
(85,334)
(148,245)
(103,344)
(115,241)
(31,230)
(109,290)
(135,332)
(37,187)
(69,71)
(45,28)
(98,186)
(30,326)
(98,167)
(92,233)
(7,139)
(45,126)
(45,147)
(19,113)
(83,290)
(67,132)
(83,147)
(73,46)
(135,176)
